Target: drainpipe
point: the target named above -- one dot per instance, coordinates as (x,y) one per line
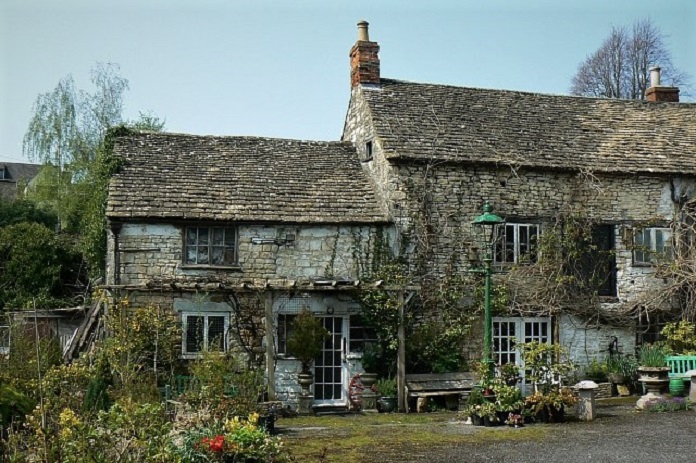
(115,229)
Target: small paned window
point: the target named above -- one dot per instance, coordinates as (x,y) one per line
(517,243)
(285,330)
(4,339)
(211,246)
(204,332)
(652,244)
(360,334)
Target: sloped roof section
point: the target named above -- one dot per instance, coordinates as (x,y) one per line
(446,123)
(177,176)
(12,173)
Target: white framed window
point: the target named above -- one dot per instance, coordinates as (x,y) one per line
(359,334)
(517,243)
(651,244)
(203,331)
(213,246)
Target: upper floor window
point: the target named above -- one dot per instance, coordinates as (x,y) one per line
(652,244)
(3,174)
(211,246)
(517,243)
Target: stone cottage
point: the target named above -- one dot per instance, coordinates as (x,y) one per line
(238,234)
(438,152)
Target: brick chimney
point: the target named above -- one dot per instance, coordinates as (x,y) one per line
(364,59)
(656,92)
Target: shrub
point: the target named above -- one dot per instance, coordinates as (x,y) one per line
(680,337)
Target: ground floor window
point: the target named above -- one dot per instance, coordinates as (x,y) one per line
(285,330)
(4,339)
(204,332)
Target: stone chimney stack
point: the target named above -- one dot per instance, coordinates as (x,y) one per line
(657,92)
(364,59)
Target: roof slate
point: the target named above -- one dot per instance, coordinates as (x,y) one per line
(178,176)
(446,123)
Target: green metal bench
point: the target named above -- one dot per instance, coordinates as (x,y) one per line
(184,383)
(680,364)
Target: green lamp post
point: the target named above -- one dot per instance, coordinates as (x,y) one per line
(486,225)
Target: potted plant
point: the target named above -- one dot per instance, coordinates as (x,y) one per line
(370,363)
(386,389)
(508,400)
(305,343)
(653,371)
(510,373)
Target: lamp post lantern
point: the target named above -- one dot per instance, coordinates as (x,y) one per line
(487,223)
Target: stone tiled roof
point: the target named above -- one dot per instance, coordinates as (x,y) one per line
(178,176)
(446,123)
(15,172)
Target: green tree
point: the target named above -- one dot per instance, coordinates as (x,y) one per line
(12,212)
(67,133)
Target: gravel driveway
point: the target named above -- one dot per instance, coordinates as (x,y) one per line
(618,434)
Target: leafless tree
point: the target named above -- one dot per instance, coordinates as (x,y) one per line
(620,67)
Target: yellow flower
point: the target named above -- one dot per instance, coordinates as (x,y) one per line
(253,418)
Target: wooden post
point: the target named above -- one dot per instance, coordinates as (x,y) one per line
(270,345)
(401,356)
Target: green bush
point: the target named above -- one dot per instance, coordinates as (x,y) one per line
(38,267)
(13,405)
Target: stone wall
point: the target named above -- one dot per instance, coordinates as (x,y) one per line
(590,341)
(155,251)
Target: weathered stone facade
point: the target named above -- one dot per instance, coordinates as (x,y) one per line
(434,200)
(150,252)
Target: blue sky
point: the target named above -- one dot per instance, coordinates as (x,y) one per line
(279,68)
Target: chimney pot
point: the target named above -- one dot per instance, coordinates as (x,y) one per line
(656,92)
(363,34)
(655,76)
(364,59)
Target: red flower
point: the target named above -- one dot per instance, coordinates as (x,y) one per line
(215,445)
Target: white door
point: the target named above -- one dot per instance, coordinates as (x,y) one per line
(330,369)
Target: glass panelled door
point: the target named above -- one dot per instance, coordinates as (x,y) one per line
(504,342)
(508,331)
(329,368)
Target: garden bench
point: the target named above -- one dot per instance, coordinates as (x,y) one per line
(454,387)
(184,383)
(680,364)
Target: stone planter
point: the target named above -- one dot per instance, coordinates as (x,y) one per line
(655,380)
(305,380)
(368,379)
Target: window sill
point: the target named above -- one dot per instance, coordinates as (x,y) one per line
(232,268)
(608,299)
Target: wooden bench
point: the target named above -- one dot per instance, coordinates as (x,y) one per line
(680,364)
(454,387)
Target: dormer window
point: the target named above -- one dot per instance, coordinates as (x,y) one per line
(367,154)
(3,173)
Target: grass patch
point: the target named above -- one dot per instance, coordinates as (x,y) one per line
(360,438)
